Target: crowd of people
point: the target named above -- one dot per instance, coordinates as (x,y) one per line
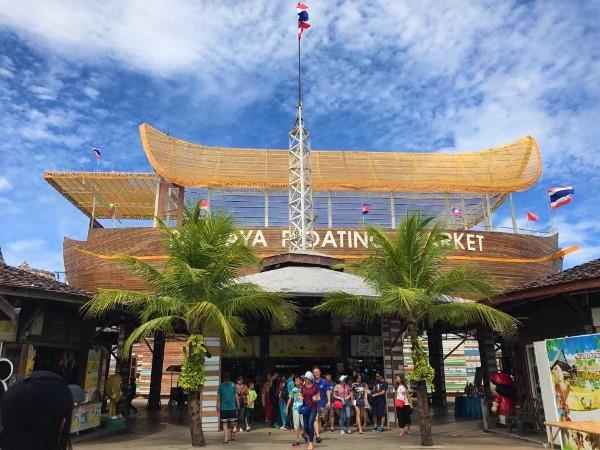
(310,404)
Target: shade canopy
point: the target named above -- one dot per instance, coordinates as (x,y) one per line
(507,168)
(107,194)
(309,281)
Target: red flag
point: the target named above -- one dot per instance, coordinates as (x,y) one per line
(204,204)
(532,217)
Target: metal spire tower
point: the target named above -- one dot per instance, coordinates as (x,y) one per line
(300,200)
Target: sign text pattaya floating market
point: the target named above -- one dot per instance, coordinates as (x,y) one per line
(260,238)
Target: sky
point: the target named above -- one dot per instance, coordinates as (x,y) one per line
(377,75)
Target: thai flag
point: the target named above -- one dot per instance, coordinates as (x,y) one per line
(97,152)
(302,18)
(366,208)
(560,196)
(456,212)
(204,204)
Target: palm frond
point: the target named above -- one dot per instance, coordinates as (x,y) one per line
(462,281)
(399,301)
(248,299)
(164,324)
(110,299)
(353,307)
(462,314)
(207,314)
(141,269)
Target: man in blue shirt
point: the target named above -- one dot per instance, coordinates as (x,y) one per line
(324,403)
(227,404)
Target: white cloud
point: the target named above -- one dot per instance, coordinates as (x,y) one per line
(91,92)
(398,75)
(26,244)
(5,184)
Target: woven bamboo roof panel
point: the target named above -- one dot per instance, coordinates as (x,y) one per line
(507,168)
(132,195)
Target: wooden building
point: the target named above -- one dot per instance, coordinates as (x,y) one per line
(562,304)
(461,191)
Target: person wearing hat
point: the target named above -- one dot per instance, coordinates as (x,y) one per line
(36,413)
(310,406)
(341,403)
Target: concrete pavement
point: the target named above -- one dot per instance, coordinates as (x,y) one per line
(168,430)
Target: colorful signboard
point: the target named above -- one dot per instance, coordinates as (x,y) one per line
(91,373)
(86,416)
(303,346)
(574,364)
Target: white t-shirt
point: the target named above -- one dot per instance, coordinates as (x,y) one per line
(402,394)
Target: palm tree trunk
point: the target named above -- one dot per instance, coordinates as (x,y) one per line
(195,417)
(424,414)
(422,401)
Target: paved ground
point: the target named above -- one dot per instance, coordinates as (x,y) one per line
(168,431)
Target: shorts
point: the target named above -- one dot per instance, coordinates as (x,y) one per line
(298,420)
(378,409)
(228,415)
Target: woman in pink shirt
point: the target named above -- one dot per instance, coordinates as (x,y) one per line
(342,404)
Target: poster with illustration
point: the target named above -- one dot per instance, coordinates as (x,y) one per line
(575,375)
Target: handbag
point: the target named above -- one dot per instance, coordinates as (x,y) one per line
(399,403)
(337,404)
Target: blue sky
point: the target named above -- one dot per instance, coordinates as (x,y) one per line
(379,75)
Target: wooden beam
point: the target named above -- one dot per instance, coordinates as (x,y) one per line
(455,348)
(9,310)
(148,345)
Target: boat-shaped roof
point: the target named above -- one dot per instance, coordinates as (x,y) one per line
(507,168)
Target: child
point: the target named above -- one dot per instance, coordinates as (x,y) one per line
(252,396)
(297,399)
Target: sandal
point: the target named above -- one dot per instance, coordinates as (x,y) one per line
(296,444)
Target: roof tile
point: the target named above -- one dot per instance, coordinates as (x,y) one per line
(585,271)
(14,277)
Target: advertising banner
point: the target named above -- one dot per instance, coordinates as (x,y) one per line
(91,373)
(575,379)
(86,416)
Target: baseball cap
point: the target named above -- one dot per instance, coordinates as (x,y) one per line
(309,376)
(343,377)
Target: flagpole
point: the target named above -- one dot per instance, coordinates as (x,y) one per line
(550,217)
(299,75)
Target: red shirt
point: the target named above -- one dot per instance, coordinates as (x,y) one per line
(307,395)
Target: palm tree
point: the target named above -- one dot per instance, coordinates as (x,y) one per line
(405,272)
(195,294)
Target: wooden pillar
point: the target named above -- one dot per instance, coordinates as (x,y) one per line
(393,361)
(123,366)
(212,377)
(158,357)
(162,191)
(180,204)
(436,359)
(487,355)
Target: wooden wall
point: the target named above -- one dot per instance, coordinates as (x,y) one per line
(91,272)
